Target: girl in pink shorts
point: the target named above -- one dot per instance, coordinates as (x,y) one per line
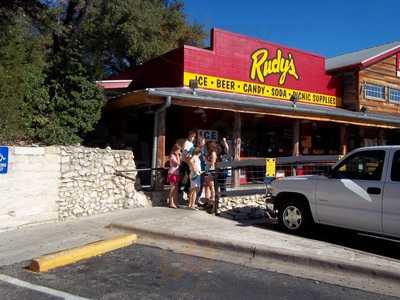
(173,175)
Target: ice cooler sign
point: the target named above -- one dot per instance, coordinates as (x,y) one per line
(3,160)
(209,135)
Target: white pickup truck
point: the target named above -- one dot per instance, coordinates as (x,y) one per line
(360,192)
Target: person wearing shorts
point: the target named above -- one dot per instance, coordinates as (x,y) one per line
(211,160)
(195,176)
(173,175)
(201,143)
(184,170)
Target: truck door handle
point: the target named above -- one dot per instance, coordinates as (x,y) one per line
(373,190)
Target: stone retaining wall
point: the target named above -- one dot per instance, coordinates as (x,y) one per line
(46,184)
(89,185)
(242,207)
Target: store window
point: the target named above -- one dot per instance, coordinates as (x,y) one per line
(394,95)
(365,165)
(374,91)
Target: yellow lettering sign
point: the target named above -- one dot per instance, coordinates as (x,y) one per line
(257,89)
(262,66)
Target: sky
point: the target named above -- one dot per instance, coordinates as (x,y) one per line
(328,28)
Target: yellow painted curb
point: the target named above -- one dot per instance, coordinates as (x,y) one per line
(66,257)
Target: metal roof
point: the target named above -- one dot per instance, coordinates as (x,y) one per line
(359,57)
(253,104)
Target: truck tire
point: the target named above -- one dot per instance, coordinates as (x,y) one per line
(294,216)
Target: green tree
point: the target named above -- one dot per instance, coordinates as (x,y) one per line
(52,51)
(21,75)
(124,34)
(75,102)
(46,95)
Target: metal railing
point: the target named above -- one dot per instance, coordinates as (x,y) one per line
(250,174)
(145,178)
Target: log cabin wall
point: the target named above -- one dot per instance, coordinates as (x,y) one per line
(384,74)
(350,90)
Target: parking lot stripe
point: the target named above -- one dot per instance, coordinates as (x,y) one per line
(39,288)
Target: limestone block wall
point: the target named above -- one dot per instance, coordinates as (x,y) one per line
(58,183)
(89,186)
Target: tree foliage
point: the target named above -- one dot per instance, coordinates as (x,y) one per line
(123,34)
(75,102)
(21,76)
(51,53)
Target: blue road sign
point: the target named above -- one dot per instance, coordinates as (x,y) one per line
(3,160)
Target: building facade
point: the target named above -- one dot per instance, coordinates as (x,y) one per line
(267,99)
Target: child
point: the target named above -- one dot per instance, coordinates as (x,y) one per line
(173,175)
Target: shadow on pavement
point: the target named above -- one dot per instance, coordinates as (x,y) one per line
(245,214)
(349,239)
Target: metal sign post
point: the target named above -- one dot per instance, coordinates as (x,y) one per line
(3,160)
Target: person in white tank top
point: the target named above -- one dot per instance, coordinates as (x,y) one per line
(195,173)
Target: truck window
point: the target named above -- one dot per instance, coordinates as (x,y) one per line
(365,165)
(395,174)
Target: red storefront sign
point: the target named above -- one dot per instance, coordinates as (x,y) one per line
(245,65)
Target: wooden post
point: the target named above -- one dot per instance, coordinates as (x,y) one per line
(381,137)
(161,140)
(296,142)
(159,178)
(296,138)
(237,133)
(343,140)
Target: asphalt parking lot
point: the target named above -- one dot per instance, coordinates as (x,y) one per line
(142,272)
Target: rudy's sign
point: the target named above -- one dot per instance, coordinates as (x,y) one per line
(240,64)
(261,66)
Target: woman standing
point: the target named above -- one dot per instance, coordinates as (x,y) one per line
(201,143)
(212,156)
(173,175)
(195,173)
(224,157)
(184,169)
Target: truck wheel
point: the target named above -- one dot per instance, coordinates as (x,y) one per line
(293,216)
